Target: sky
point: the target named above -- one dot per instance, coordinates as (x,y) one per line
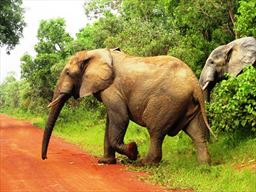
(36,10)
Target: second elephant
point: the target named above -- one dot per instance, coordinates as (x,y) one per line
(230,58)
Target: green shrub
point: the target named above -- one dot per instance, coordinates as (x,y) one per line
(233,106)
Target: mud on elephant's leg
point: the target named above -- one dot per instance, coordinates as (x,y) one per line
(199,133)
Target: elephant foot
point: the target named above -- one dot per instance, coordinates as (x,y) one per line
(131,151)
(150,161)
(107,160)
(204,159)
(203,155)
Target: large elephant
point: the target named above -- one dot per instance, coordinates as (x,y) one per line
(160,93)
(230,58)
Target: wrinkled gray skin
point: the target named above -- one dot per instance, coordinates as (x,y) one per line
(230,58)
(160,93)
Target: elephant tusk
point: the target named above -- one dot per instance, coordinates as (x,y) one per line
(204,87)
(55,101)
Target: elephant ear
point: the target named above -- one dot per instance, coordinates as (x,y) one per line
(244,53)
(98,74)
(233,65)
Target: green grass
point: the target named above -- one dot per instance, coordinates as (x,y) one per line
(179,168)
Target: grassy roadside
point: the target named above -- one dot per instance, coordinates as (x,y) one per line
(178,169)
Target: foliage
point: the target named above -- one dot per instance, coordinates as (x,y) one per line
(53,48)
(155,10)
(16,94)
(10,92)
(98,35)
(233,106)
(142,38)
(202,25)
(11,23)
(95,9)
(85,39)
(246,18)
(146,28)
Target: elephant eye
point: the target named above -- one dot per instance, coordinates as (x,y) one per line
(67,72)
(211,62)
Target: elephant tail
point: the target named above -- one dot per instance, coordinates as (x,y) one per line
(198,95)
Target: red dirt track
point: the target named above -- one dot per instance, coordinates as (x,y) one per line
(67,169)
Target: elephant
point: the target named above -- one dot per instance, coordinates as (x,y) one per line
(230,58)
(160,93)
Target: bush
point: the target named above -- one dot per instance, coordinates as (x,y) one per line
(233,106)
(246,16)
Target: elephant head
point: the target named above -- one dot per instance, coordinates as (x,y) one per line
(230,58)
(86,73)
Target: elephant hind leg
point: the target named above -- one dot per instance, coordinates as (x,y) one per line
(154,155)
(199,133)
(161,122)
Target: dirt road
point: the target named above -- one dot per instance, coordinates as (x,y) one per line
(67,168)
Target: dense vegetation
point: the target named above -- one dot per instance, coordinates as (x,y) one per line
(233,108)
(189,30)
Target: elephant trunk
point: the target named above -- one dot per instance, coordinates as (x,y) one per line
(52,117)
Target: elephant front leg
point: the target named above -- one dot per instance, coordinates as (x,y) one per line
(109,152)
(116,128)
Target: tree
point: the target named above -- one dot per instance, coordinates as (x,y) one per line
(95,9)
(202,25)
(9,91)
(138,28)
(145,30)
(53,38)
(11,23)
(246,18)
(97,35)
(142,39)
